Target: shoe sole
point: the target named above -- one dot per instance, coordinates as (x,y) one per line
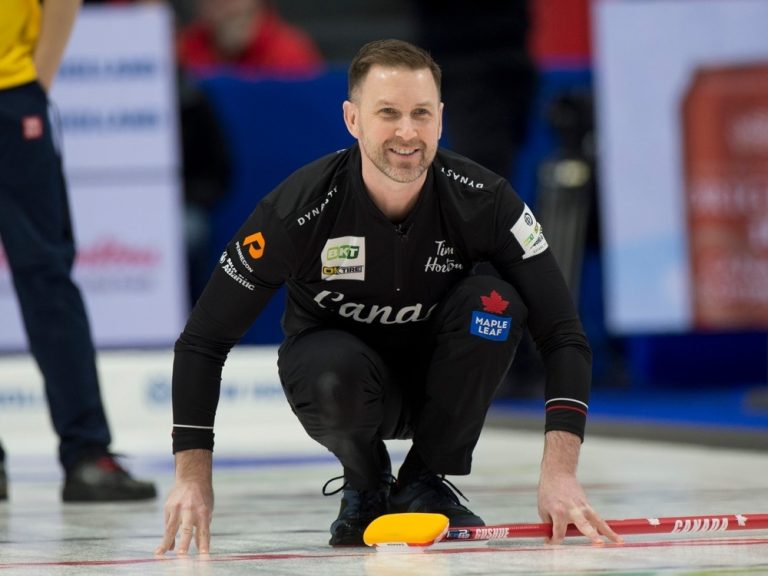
(105,495)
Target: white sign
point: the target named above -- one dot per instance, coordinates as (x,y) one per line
(116,103)
(115,93)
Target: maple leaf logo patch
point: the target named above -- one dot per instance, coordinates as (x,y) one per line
(489,323)
(494,303)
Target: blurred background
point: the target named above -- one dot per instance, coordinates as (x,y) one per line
(636,129)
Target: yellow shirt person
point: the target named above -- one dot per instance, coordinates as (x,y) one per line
(38,240)
(19,31)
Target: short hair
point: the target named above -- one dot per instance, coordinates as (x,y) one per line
(390,53)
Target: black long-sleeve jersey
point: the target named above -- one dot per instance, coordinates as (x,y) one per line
(347,266)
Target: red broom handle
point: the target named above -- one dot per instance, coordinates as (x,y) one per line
(668,525)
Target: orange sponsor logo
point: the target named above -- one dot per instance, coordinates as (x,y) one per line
(256,244)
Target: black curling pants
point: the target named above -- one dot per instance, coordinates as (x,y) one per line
(350,392)
(36,232)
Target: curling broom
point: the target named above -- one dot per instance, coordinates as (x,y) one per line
(425,529)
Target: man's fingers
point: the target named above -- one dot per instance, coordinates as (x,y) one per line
(169,537)
(185,538)
(559,526)
(166,545)
(586,528)
(186,533)
(583,519)
(594,526)
(604,529)
(203,540)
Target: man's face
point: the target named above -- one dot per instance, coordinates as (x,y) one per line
(231,23)
(396,115)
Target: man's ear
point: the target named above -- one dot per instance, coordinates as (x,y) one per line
(352,118)
(440,120)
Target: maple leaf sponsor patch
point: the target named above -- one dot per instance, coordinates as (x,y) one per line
(488,323)
(494,303)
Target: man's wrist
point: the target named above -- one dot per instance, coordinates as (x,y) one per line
(561,452)
(194,464)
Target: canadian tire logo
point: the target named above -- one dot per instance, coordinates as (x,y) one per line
(256,244)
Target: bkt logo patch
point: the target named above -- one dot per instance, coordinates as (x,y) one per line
(343,258)
(489,324)
(343,251)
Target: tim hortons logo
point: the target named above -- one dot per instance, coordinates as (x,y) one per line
(444,260)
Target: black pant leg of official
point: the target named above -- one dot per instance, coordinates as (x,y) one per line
(477,329)
(343,394)
(36,231)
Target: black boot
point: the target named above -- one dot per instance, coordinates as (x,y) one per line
(360,507)
(102,479)
(428,492)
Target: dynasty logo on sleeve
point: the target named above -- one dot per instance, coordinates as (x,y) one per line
(529,234)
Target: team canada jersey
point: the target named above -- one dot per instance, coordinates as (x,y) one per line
(347,266)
